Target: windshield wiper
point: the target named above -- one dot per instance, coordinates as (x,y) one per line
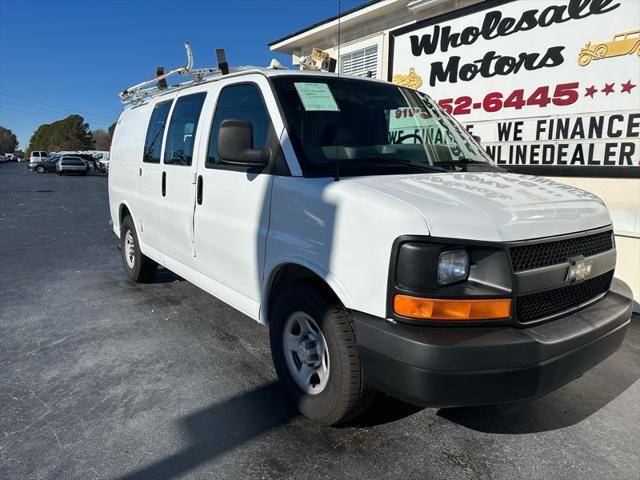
(396,161)
(465,161)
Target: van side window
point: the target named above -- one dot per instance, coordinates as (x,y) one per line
(153,142)
(241,102)
(182,129)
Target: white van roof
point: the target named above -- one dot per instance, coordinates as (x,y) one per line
(131,99)
(157,86)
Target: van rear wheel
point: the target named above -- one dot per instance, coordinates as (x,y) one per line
(315,356)
(139,267)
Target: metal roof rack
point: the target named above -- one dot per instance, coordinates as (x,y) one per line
(137,93)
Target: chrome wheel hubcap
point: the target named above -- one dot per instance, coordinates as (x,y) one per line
(129,250)
(306,353)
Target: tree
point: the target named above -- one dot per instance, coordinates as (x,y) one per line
(102,140)
(71,133)
(8,141)
(112,128)
(40,139)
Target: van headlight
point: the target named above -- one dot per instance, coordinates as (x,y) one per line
(432,279)
(453,266)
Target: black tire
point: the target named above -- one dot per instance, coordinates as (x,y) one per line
(144,269)
(346,393)
(40,169)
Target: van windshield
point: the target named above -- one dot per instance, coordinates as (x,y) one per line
(367,128)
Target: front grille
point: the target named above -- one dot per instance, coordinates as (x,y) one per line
(539,255)
(544,304)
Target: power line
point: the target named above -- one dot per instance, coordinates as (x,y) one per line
(5,104)
(37,104)
(50,115)
(50,110)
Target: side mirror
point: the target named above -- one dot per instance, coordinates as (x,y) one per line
(235,144)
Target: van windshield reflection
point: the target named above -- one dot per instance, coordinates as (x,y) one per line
(365,127)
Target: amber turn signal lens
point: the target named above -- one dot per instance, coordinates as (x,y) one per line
(440,309)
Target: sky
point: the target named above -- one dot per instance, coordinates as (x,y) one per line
(60,57)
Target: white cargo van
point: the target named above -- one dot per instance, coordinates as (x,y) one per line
(38,156)
(371,234)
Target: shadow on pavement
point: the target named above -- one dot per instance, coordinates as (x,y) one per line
(166,276)
(554,411)
(223,427)
(227,425)
(383,410)
(567,406)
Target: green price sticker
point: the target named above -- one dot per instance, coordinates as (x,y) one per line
(316,97)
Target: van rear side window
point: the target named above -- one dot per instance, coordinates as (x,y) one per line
(153,142)
(182,129)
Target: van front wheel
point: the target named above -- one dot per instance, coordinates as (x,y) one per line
(139,267)
(315,355)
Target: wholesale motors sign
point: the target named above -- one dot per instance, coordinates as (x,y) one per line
(542,82)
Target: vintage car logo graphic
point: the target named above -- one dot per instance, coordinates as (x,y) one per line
(410,80)
(625,43)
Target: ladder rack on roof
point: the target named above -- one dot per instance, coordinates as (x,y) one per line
(138,93)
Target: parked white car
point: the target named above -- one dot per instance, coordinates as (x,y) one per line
(38,156)
(72,164)
(373,236)
(103,161)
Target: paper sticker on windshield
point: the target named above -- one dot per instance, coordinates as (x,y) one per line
(316,97)
(409,117)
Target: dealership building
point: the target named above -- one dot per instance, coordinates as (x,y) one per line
(551,87)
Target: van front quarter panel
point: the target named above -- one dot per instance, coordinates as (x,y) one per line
(341,230)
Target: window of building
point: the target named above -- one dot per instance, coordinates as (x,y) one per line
(362,62)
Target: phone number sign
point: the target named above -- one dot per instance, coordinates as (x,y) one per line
(550,82)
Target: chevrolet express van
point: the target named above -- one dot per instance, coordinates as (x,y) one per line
(373,236)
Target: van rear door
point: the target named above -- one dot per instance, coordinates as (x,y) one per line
(150,189)
(179,180)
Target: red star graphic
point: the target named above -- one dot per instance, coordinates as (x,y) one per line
(608,88)
(626,87)
(590,91)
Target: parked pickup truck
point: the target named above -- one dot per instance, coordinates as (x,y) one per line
(373,236)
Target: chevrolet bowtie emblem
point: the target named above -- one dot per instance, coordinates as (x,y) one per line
(579,269)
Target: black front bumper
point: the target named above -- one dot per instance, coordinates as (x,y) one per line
(463,366)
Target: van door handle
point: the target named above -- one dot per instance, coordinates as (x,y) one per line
(164,184)
(199,190)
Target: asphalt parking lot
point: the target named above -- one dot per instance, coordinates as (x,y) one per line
(102,378)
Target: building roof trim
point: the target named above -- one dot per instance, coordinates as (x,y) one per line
(331,22)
